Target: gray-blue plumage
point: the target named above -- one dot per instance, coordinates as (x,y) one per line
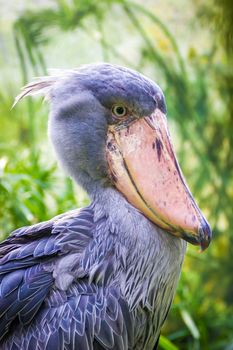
(102,277)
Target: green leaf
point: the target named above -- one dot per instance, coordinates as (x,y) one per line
(190,324)
(166,344)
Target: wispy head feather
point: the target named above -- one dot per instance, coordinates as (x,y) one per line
(42,85)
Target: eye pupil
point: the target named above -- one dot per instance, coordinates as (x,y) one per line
(119,111)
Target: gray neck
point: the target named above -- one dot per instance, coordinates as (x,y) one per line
(152,258)
(131,224)
(153,251)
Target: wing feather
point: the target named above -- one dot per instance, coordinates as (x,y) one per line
(35,314)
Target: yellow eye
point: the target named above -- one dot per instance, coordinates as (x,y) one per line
(119,111)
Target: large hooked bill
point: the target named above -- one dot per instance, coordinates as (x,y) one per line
(144,168)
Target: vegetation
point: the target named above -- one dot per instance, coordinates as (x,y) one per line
(198,86)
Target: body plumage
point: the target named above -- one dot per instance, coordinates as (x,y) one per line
(102,277)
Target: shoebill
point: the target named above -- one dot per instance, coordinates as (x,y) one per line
(102,277)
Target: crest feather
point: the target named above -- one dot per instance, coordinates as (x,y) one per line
(42,85)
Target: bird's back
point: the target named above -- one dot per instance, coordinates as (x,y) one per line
(60,288)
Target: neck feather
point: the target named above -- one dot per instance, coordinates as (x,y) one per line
(152,257)
(132,226)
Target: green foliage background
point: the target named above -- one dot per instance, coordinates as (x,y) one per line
(187,48)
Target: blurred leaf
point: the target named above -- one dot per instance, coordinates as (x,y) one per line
(190,323)
(166,344)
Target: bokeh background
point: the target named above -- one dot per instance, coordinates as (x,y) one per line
(186,47)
